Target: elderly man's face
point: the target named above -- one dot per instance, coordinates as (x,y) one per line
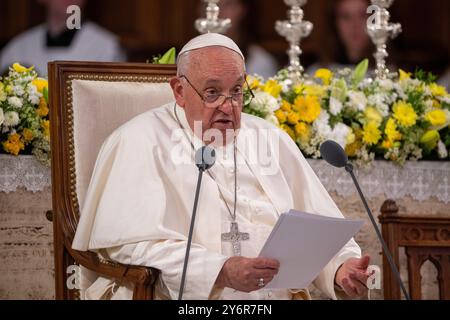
(211,71)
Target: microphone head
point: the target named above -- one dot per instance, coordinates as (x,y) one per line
(333,153)
(205,157)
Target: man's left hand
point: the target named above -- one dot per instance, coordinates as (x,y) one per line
(352,276)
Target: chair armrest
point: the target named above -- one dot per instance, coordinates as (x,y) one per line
(142,277)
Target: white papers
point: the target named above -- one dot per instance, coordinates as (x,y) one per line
(304,243)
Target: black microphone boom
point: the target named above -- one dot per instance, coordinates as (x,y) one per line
(204,159)
(333,153)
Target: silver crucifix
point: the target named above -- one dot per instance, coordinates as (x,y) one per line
(235,237)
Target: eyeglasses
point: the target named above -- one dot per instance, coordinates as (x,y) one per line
(214,100)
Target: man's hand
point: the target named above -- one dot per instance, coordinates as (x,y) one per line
(352,276)
(244,274)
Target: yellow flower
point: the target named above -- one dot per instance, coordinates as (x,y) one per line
(281,116)
(288,130)
(42,110)
(314,90)
(40,84)
(308,108)
(2,92)
(391,131)
(46,126)
(430,139)
(437,90)
(392,134)
(298,89)
(351,138)
(302,131)
(436,118)
(19,68)
(352,148)
(310,90)
(371,133)
(293,118)
(27,134)
(13,145)
(325,75)
(253,82)
(273,88)
(387,144)
(404,75)
(436,104)
(404,113)
(286,106)
(373,115)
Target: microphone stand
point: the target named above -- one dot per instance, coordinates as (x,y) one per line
(201,169)
(349,169)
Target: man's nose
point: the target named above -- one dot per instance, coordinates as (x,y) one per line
(227,106)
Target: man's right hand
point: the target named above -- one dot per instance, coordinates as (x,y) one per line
(244,274)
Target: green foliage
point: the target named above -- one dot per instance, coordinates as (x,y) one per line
(360,72)
(253,112)
(424,76)
(167,58)
(415,98)
(45,93)
(290,96)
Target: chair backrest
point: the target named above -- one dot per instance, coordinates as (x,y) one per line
(425,238)
(88,101)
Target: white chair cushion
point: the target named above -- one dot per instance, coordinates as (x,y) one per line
(99,108)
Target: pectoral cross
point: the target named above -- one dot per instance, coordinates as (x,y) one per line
(235,237)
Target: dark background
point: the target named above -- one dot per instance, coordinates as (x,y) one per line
(149,27)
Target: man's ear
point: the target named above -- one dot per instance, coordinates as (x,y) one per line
(178,91)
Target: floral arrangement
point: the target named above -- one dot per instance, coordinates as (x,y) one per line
(24,114)
(403,118)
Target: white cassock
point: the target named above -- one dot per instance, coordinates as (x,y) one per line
(90,43)
(139,203)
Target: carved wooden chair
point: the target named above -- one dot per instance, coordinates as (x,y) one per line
(88,101)
(424,238)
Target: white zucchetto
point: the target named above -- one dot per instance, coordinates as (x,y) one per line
(211,40)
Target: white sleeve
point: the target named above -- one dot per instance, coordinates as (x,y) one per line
(168,257)
(325,280)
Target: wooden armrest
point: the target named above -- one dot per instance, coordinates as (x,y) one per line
(136,274)
(142,277)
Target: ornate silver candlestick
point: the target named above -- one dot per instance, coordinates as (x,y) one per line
(380,30)
(294,30)
(212,23)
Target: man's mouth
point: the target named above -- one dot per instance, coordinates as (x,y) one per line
(223,121)
(223,124)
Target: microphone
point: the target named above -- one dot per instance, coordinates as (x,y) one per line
(333,153)
(205,157)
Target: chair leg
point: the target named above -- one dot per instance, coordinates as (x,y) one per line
(62,261)
(60,268)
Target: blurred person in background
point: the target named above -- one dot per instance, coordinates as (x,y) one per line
(444,80)
(244,17)
(53,40)
(346,40)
